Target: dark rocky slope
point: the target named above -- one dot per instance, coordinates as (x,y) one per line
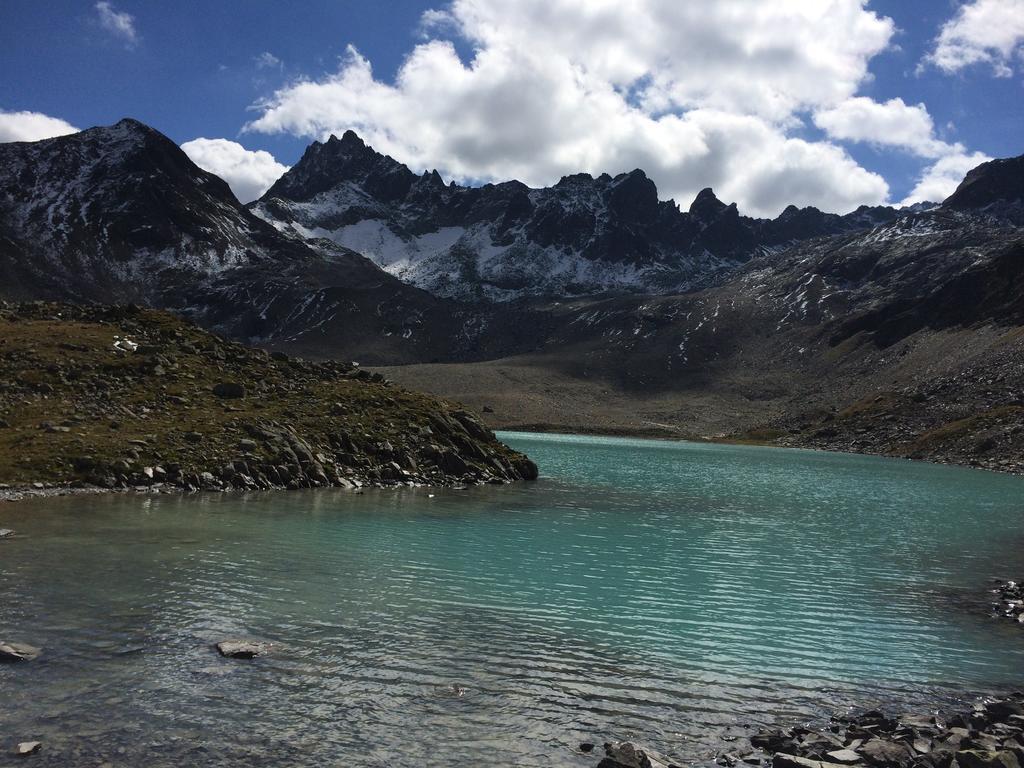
(584,235)
(119,213)
(120,397)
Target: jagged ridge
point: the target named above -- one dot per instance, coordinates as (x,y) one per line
(582,236)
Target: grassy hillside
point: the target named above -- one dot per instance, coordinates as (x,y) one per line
(121,396)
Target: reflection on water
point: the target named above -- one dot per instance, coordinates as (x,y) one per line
(675,592)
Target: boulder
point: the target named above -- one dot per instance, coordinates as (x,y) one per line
(10,652)
(843,756)
(977,758)
(242,649)
(229,390)
(782,760)
(29,747)
(885,753)
(5,532)
(630,755)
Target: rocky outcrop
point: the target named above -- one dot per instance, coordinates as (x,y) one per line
(177,408)
(1009,600)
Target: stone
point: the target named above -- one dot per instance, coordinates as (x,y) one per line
(1003,710)
(229,390)
(586,747)
(977,758)
(782,760)
(5,532)
(887,753)
(630,755)
(247,446)
(29,747)
(10,652)
(844,756)
(242,649)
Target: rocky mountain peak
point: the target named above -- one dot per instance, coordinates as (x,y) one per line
(349,159)
(634,195)
(706,205)
(997,181)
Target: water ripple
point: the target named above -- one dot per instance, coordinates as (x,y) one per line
(677,593)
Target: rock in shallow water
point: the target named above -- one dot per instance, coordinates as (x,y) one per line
(5,532)
(630,755)
(17,652)
(29,747)
(243,649)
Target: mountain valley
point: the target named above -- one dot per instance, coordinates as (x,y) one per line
(587,306)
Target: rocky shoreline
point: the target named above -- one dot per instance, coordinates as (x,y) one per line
(988,735)
(120,398)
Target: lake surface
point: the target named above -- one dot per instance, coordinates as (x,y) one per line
(669,591)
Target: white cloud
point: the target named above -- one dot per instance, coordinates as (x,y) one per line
(982,32)
(118,23)
(267,60)
(906,127)
(248,173)
(940,179)
(695,93)
(892,123)
(31,126)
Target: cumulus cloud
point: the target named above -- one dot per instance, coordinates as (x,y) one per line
(697,94)
(907,127)
(987,32)
(891,123)
(117,23)
(940,179)
(249,173)
(31,126)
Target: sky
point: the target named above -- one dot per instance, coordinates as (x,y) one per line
(832,103)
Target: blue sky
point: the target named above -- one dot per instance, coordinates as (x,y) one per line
(201,69)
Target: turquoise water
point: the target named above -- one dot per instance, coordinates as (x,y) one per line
(669,591)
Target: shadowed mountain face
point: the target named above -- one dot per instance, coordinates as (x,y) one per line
(502,242)
(996,187)
(120,214)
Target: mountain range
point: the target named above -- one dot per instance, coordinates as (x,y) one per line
(500,242)
(591,304)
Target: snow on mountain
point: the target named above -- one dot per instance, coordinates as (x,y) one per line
(582,236)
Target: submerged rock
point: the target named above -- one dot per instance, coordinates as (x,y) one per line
(29,747)
(243,649)
(10,652)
